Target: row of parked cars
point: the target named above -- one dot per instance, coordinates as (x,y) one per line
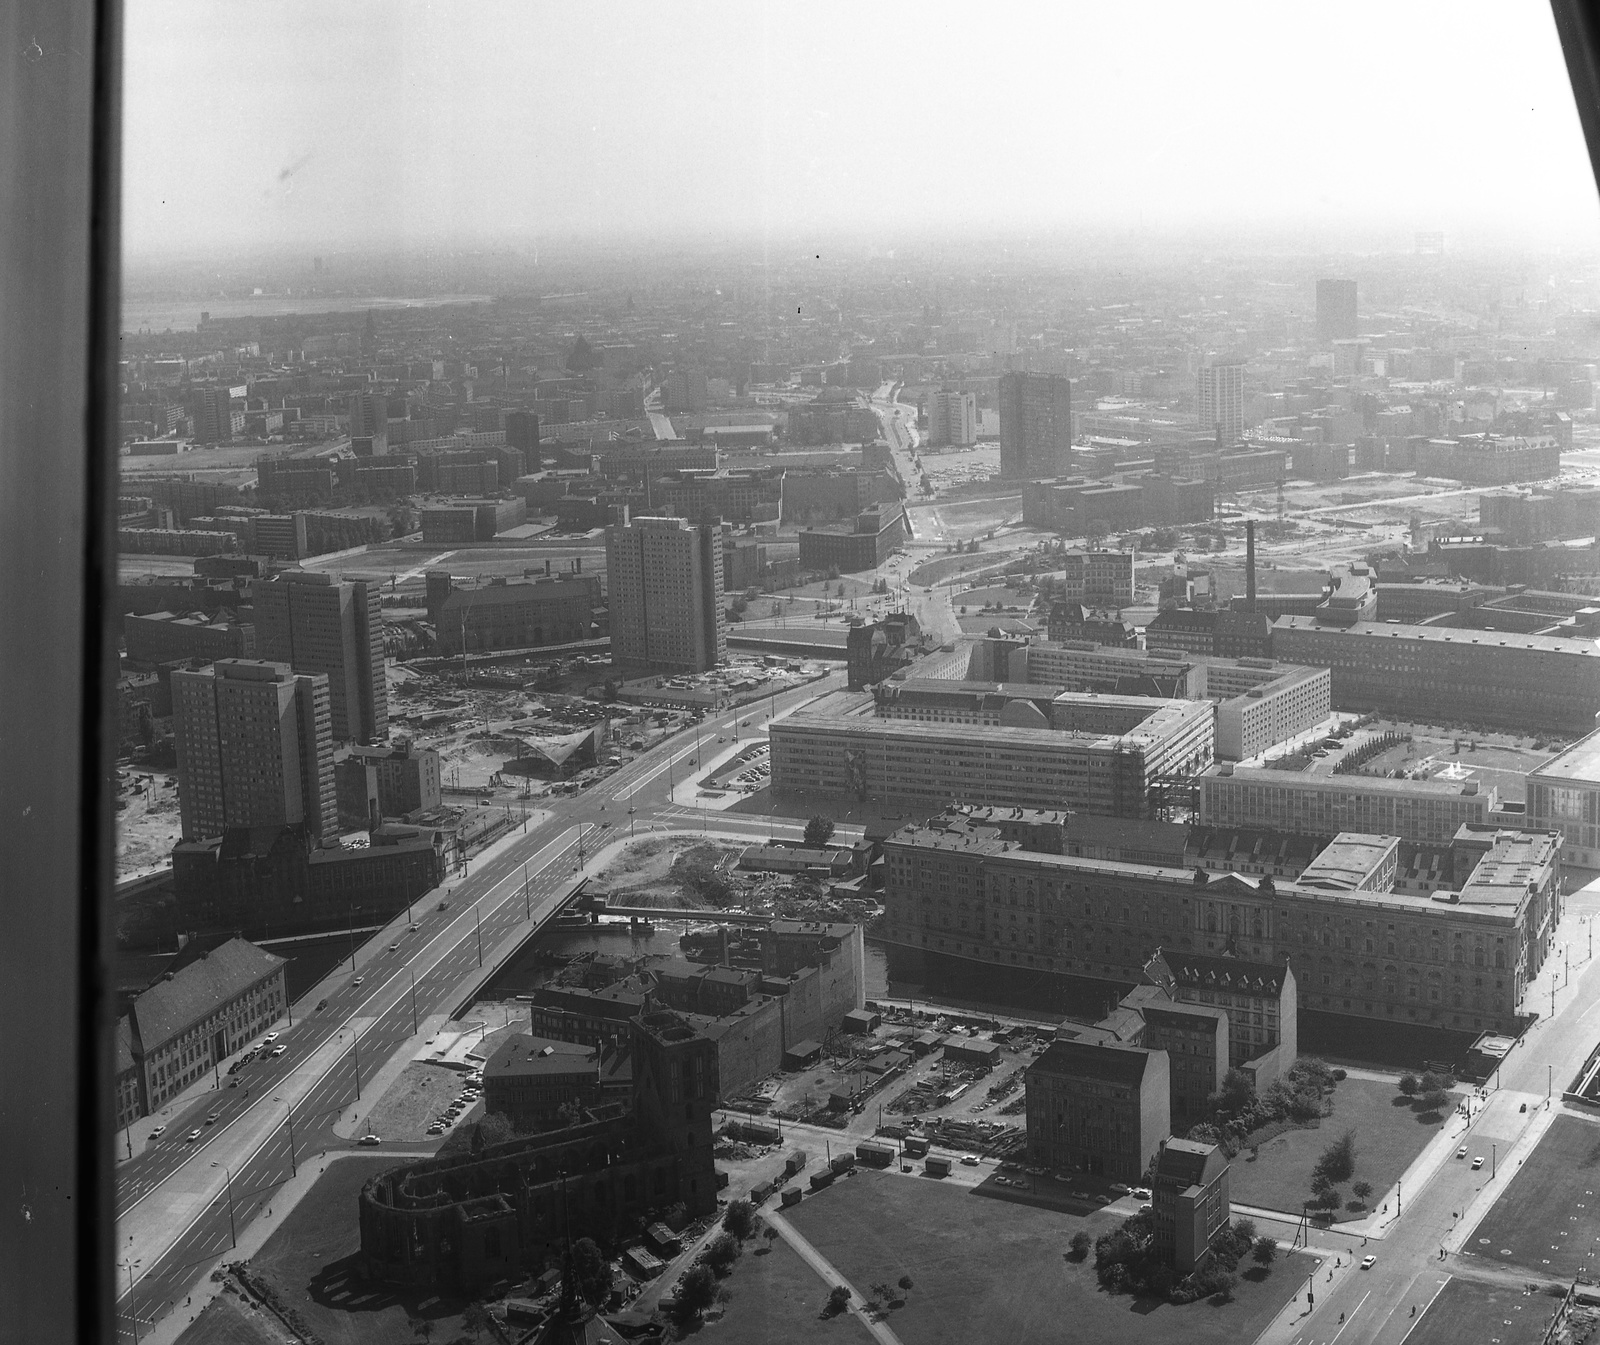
(264,1047)
(464,1100)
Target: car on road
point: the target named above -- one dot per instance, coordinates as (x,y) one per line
(369,1141)
(1477,1162)
(1140,1193)
(269,1039)
(444,905)
(394,947)
(1121,1189)
(358,980)
(969,1160)
(213,1118)
(1367,1262)
(278,1050)
(413,928)
(191,1137)
(1461,1152)
(322,1004)
(158,1132)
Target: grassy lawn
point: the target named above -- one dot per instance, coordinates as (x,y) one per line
(422,1092)
(1466,1310)
(311,1262)
(1548,1219)
(777,1298)
(1388,1138)
(994,1271)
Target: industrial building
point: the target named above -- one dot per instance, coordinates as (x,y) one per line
(1100,578)
(505,614)
(865,545)
(168,637)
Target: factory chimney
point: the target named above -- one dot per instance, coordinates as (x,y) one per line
(1250,564)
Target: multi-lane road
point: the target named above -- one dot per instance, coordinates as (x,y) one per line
(181,1204)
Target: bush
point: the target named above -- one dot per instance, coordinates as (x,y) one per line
(1361,1190)
(1408,1084)
(1265,1252)
(838,1299)
(1080,1244)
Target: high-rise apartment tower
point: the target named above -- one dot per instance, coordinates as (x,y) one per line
(255,749)
(316,624)
(1035,426)
(664,581)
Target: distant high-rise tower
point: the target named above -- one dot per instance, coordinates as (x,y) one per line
(952,419)
(1035,426)
(664,589)
(1336,310)
(255,749)
(213,415)
(1219,400)
(684,392)
(369,424)
(318,625)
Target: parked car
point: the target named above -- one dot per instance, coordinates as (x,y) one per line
(269,1039)
(969,1160)
(158,1132)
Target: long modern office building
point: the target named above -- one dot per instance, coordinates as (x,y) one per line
(316,624)
(1433,672)
(1113,771)
(1260,702)
(1459,958)
(255,750)
(1035,426)
(664,577)
(1564,796)
(1425,811)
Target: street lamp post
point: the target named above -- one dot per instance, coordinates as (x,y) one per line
(233,1231)
(133,1310)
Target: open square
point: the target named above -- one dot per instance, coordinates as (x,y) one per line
(1388,1137)
(996,1271)
(1494,1314)
(1548,1219)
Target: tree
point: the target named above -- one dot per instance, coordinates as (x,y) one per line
(722,1253)
(1080,1244)
(1433,1099)
(697,1291)
(838,1299)
(905,1283)
(1361,1190)
(1408,1084)
(495,1128)
(1222,1286)
(1429,1082)
(1236,1093)
(1338,1161)
(740,1219)
(475,1320)
(770,1234)
(593,1272)
(818,832)
(1266,1251)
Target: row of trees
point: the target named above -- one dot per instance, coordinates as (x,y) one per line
(700,1287)
(1304,1094)
(1430,1091)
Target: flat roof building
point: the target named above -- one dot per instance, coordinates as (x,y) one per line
(664,577)
(1564,796)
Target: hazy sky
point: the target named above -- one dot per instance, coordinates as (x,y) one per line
(320,126)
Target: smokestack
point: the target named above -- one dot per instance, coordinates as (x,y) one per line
(1250,563)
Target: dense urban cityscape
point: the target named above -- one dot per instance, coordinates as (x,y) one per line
(1103,731)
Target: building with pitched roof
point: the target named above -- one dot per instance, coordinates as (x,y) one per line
(1097,1107)
(191,1020)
